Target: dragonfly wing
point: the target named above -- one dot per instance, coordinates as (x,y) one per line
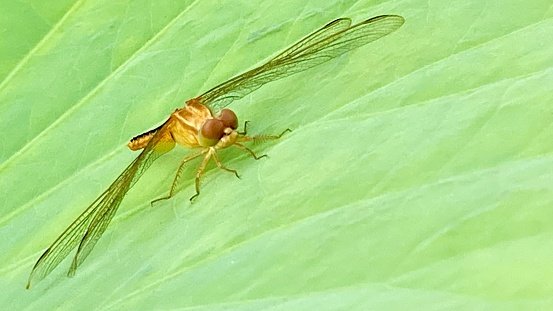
(161,143)
(332,40)
(334,27)
(63,245)
(91,224)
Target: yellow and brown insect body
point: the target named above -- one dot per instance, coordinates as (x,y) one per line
(194,126)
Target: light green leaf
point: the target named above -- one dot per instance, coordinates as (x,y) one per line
(418,174)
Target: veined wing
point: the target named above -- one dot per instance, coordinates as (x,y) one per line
(332,40)
(91,224)
(330,29)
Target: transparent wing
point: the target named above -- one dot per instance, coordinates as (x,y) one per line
(91,224)
(332,40)
(330,29)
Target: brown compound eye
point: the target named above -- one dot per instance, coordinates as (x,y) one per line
(229,118)
(211,132)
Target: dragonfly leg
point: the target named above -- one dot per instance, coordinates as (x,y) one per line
(245,128)
(283,132)
(200,171)
(178,175)
(254,139)
(262,137)
(221,166)
(248,150)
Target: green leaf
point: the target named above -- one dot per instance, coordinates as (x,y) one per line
(417,174)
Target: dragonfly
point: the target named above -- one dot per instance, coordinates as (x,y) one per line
(206,126)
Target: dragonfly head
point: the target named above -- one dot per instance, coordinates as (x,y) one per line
(220,131)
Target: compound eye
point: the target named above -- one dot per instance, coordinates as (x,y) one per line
(229,118)
(211,132)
